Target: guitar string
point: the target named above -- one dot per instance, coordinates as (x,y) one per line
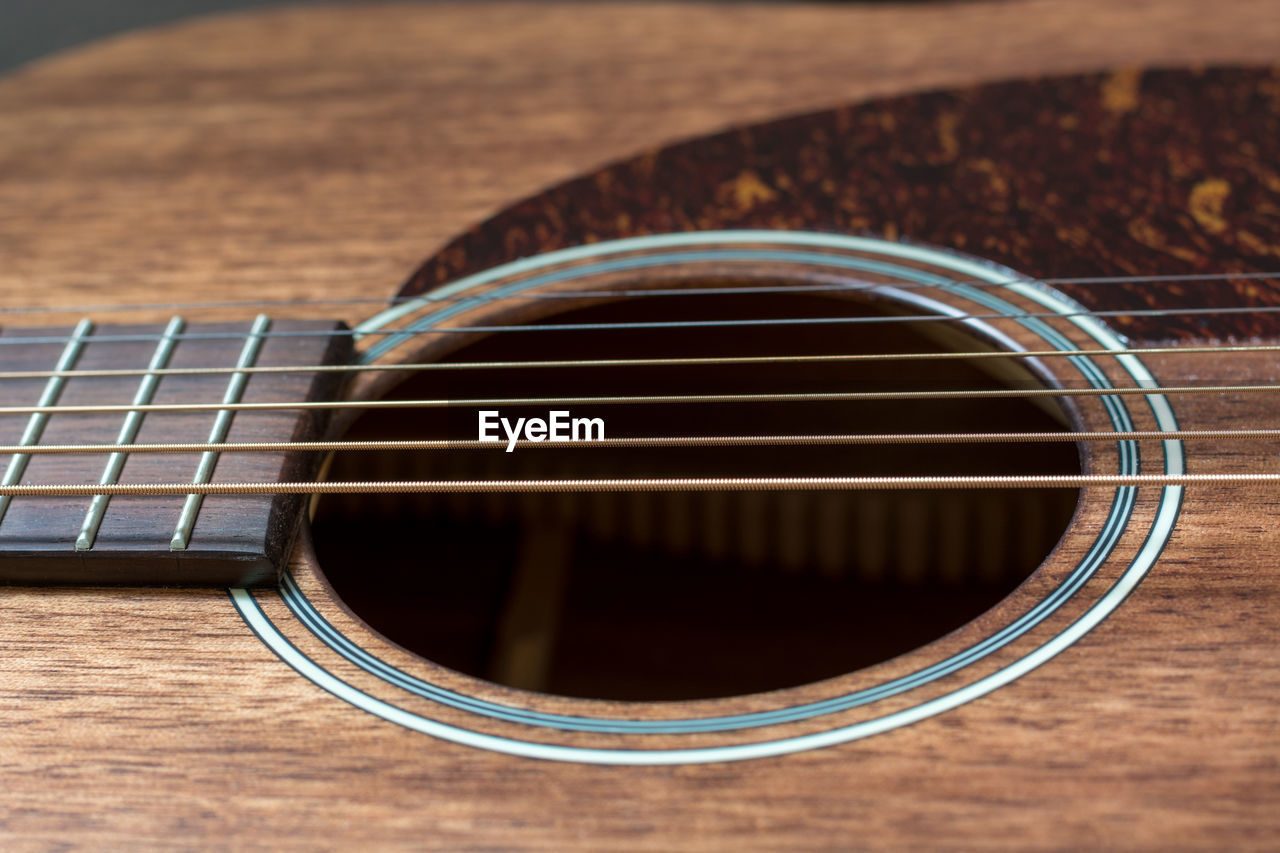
(798,440)
(19,340)
(697,441)
(657,484)
(794,397)
(629,362)
(666,484)
(1180,278)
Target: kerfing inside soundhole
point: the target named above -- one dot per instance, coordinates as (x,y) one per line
(665,596)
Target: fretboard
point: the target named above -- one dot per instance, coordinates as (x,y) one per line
(187,540)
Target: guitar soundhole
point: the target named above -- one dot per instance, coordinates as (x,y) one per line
(696,595)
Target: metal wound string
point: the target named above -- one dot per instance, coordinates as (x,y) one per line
(1179,278)
(657,361)
(796,440)
(647,399)
(664,484)
(662,324)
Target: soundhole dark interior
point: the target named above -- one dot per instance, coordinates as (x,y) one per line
(661,596)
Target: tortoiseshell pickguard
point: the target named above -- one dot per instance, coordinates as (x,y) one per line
(1127,173)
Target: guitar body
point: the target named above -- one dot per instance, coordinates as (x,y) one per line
(322,154)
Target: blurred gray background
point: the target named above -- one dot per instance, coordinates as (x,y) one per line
(30,29)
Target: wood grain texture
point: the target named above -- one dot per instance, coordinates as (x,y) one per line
(326,152)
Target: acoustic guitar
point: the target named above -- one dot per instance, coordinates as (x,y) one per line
(846,426)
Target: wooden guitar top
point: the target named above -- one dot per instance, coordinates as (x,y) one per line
(324,153)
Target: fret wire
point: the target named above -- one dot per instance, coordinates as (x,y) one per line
(128,433)
(674,484)
(707,291)
(39,419)
(799,397)
(676,324)
(217,433)
(661,441)
(674,361)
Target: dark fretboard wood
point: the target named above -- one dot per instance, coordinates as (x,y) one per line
(137,539)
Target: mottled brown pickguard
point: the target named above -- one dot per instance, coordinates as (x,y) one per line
(1126,173)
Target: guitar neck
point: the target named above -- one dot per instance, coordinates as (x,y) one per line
(120,386)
